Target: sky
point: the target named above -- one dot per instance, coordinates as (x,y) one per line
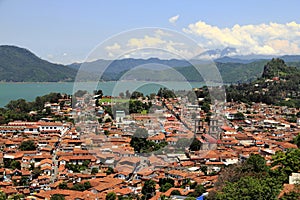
(65,31)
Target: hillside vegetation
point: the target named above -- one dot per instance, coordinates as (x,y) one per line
(20,65)
(279,85)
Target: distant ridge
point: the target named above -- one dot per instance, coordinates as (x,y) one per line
(20,65)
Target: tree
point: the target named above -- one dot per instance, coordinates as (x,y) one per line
(183,143)
(250,188)
(196,145)
(24,181)
(203,168)
(94,170)
(111,196)
(297,140)
(87,185)
(127,94)
(139,139)
(199,190)
(78,187)
(165,93)
(2,195)
(136,95)
(239,116)
(98,92)
(57,197)
(80,93)
(81,187)
(15,164)
(122,95)
(287,162)
(148,189)
(27,145)
(109,171)
(63,186)
(163,181)
(175,192)
(36,172)
(255,163)
(166,187)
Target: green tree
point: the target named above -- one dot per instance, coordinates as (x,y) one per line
(27,145)
(287,162)
(250,188)
(203,168)
(148,189)
(57,197)
(163,181)
(36,172)
(175,192)
(63,186)
(24,181)
(199,190)
(15,164)
(139,140)
(239,116)
(111,196)
(183,143)
(2,195)
(165,93)
(109,170)
(255,163)
(136,95)
(190,198)
(78,187)
(87,185)
(94,170)
(166,187)
(196,145)
(297,140)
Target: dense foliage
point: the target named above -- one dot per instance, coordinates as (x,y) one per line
(19,109)
(148,189)
(57,197)
(20,65)
(27,145)
(140,143)
(254,179)
(279,85)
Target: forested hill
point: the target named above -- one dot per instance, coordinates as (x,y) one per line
(20,65)
(279,85)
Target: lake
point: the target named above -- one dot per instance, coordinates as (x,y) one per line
(29,91)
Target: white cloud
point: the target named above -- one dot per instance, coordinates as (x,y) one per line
(147,41)
(113,47)
(272,38)
(174,19)
(65,54)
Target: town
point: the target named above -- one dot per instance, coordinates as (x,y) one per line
(160,146)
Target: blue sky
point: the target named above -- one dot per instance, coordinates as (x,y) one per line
(65,31)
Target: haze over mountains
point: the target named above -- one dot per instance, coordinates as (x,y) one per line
(21,65)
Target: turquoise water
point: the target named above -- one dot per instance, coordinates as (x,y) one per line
(29,91)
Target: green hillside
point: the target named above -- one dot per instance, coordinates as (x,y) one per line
(20,65)
(279,85)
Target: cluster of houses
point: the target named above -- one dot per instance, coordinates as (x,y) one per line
(68,154)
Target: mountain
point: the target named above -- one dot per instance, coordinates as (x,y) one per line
(279,84)
(20,65)
(217,53)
